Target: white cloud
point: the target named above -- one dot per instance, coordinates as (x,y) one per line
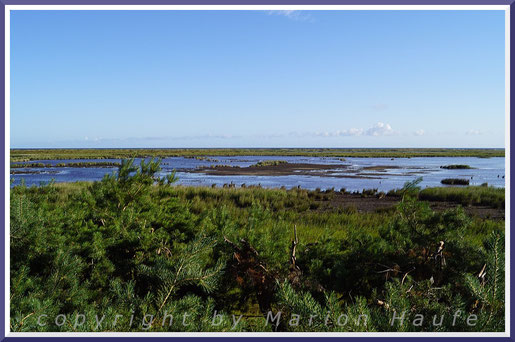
(419,132)
(380,129)
(342,133)
(293,15)
(351,132)
(473,132)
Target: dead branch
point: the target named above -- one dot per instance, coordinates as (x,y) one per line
(482,275)
(251,272)
(294,243)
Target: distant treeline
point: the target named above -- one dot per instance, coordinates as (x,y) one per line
(52,154)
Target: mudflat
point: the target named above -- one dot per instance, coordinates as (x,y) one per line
(285,169)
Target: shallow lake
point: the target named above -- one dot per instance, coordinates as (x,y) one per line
(354,175)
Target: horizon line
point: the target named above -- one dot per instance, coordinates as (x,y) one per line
(249,148)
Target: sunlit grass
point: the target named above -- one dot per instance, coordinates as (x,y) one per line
(56,154)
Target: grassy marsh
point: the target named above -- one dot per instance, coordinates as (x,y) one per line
(47,154)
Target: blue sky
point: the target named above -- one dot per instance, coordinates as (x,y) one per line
(257,79)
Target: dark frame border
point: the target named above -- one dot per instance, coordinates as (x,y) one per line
(3,3)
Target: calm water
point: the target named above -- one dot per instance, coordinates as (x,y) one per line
(486,170)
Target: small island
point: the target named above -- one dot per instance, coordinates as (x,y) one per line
(456,167)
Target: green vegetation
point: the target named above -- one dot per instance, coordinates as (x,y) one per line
(270,163)
(30,165)
(53,154)
(217,166)
(202,158)
(73,164)
(456,166)
(136,245)
(455,181)
(470,195)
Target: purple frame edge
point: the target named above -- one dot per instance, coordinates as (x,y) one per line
(257,2)
(3,3)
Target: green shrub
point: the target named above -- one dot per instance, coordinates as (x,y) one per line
(135,242)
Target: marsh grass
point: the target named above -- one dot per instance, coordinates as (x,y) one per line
(456,166)
(71,164)
(455,181)
(55,154)
(470,195)
(270,163)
